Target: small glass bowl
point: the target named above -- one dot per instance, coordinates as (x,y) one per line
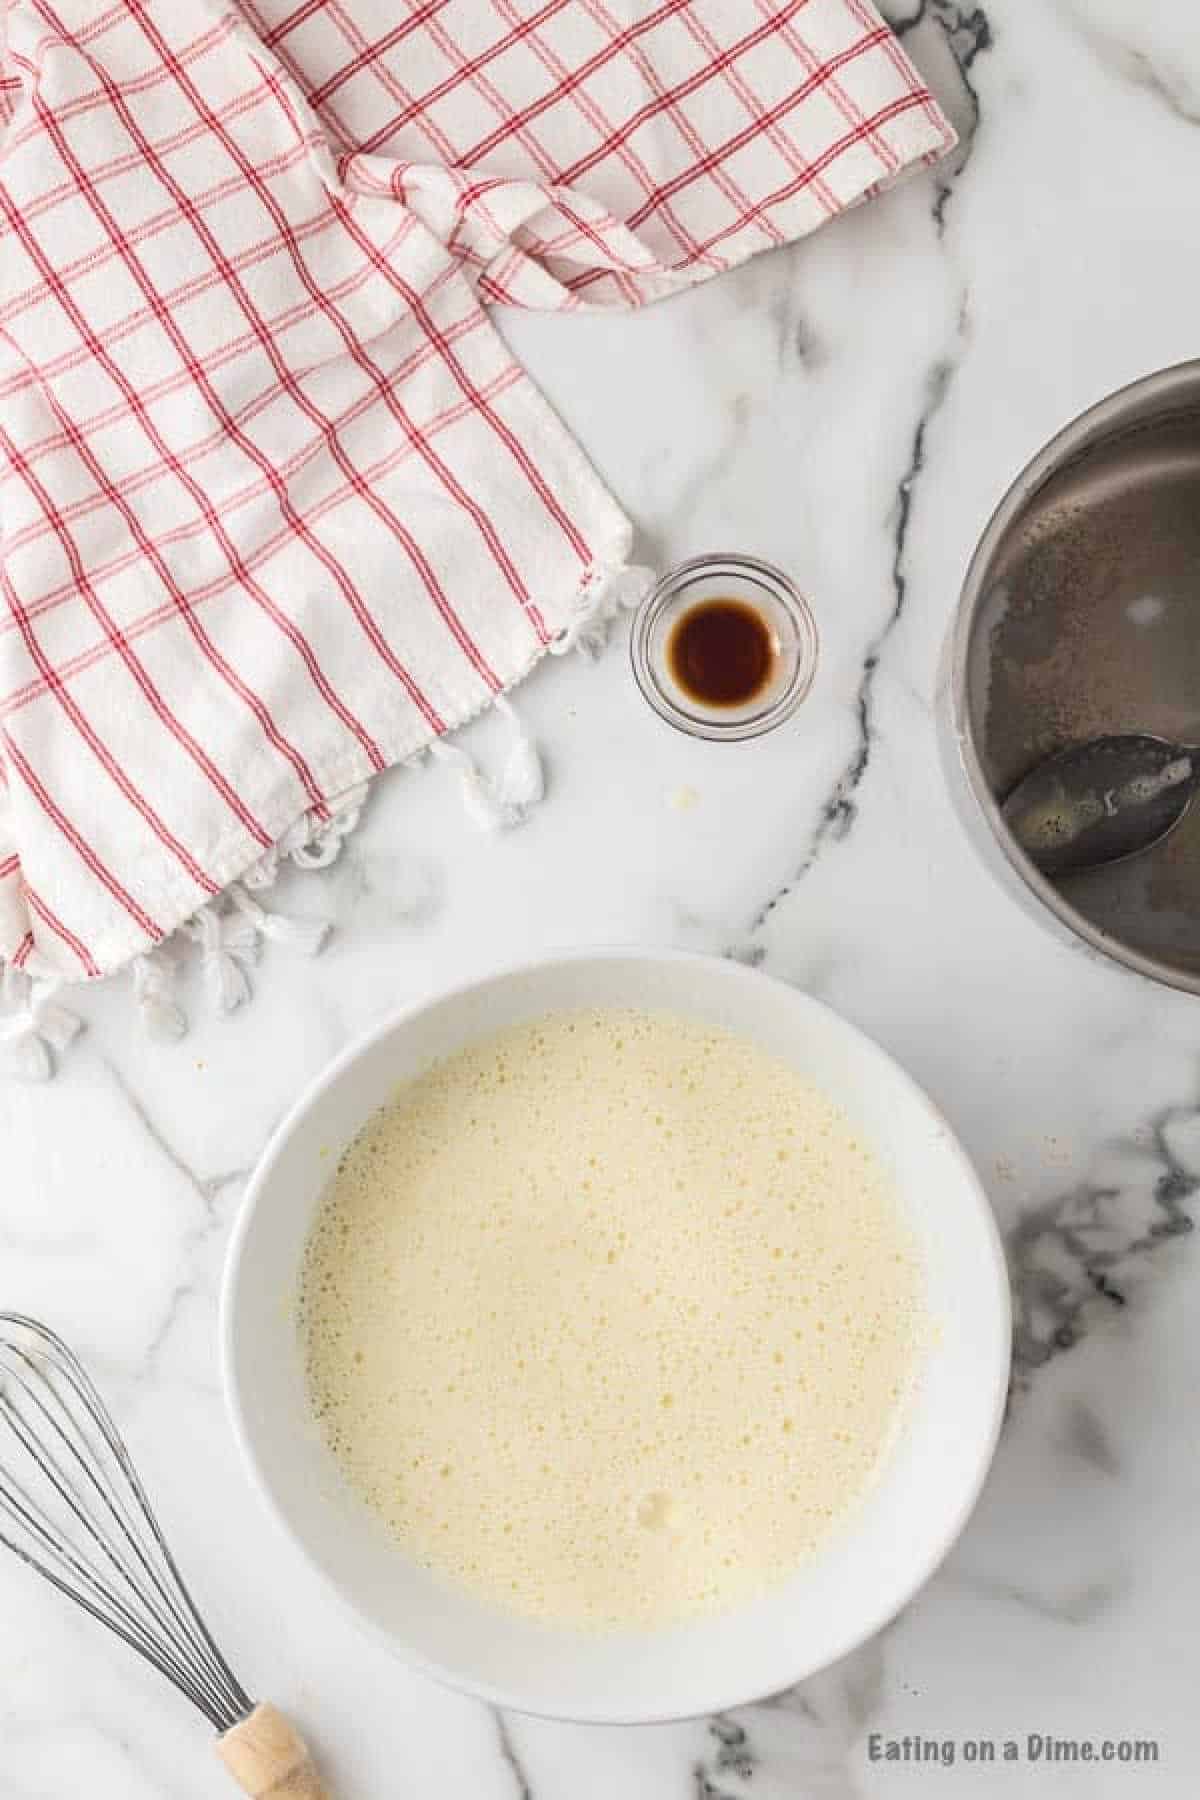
(782,608)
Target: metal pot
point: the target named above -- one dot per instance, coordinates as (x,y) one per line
(1080,614)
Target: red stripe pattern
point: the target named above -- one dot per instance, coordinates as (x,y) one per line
(277,507)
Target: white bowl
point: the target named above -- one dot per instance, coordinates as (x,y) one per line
(870,1567)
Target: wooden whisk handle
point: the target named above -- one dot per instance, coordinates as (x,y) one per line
(269,1759)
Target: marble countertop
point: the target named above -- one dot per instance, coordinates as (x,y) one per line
(852,409)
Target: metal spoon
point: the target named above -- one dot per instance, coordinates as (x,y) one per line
(1102,801)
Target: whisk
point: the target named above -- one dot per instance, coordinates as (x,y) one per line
(73,1507)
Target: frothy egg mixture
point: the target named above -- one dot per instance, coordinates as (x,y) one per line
(610,1317)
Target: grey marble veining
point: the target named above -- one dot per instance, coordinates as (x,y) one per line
(1077,1248)
(840,810)
(521,1787)
(1127,40)
(945,39)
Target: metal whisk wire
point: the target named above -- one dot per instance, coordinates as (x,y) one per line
(73,1507)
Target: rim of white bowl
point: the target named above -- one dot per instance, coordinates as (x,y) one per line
(720,1699)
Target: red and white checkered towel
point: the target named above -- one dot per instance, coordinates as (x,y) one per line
(277,507)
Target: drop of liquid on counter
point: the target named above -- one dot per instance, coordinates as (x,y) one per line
(722,652)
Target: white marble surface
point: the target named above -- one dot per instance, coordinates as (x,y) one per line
(852,409)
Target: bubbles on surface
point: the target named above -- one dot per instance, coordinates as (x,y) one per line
(586,1268)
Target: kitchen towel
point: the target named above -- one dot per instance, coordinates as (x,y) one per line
(278,508)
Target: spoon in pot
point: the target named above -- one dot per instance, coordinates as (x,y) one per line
(1102,801)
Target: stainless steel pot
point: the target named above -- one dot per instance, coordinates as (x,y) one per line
(1080,614)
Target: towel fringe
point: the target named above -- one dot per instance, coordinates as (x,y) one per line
(305,935)
(603,598)
(229,930)
(154,976)
(229,946)
(497,803)
(307,847)
(34,1028)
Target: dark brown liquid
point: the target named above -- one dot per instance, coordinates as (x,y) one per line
(721,652)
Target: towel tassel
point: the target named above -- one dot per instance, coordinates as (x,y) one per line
(34,1028)
(497,803)
(154,995)
(603,597)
